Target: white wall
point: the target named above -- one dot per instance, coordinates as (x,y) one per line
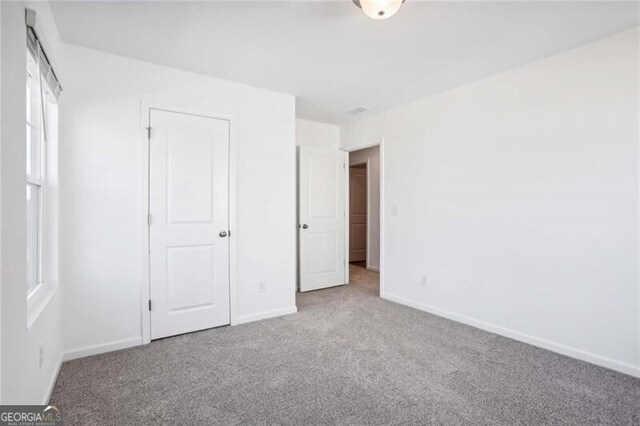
(0,200)
(371,156)
(23,382)
(313,133)
(102,200)
(517,198)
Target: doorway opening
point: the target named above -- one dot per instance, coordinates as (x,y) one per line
(364,218)
(330,253)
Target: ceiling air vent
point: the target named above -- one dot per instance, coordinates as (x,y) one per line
(359,110)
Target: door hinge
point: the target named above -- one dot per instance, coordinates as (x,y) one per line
(149,304)
(149,219)
(149,132)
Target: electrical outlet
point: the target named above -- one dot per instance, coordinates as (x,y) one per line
(262,286)
(41,356)
(423,281)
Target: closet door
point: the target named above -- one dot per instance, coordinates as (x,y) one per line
(189,222)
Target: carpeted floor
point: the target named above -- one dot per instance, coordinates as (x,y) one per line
(347,357)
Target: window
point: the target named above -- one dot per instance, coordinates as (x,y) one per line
(41,121)
(41,175)
(35,174)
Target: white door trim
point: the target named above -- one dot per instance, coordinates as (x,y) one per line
(145,114)
(379,143)
(347,216)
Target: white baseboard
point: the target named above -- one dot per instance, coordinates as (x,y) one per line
(52,381)
(136,341)
(101,348)
(373,268)
(623,367)
(265,315)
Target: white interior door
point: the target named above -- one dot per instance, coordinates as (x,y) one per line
(189,222)
(322,218)
(358,213)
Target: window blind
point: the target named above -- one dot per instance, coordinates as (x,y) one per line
(35,47)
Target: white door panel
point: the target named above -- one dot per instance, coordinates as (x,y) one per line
(189,206)
(322,218)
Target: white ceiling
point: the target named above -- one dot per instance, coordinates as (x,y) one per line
(329,54)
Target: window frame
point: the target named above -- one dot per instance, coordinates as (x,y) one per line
(42,114)
(35,171)
(44,111)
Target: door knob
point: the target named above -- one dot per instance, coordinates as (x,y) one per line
(223,234)
(305,226)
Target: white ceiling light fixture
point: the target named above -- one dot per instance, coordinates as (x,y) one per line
(359,110)
(379,9)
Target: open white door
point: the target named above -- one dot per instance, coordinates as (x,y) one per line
(322,218)
(189,222)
